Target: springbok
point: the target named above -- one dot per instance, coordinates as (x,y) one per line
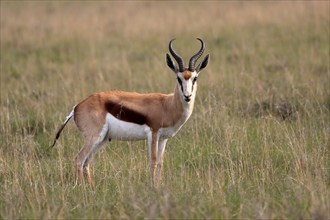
(123,115)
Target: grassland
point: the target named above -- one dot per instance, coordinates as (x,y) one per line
(256,146)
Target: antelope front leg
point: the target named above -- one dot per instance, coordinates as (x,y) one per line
(153,148)
(161,150)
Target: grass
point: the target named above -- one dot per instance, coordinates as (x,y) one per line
(256,146)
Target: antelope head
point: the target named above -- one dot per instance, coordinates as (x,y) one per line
(187,77)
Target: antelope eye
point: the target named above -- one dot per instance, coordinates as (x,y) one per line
(195,79)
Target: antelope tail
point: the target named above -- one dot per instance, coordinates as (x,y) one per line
(62,126)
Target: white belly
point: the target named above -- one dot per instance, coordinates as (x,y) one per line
(122,130)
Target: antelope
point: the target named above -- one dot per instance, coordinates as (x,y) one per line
(119,115)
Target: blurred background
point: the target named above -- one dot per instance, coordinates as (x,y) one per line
(258,139)
(69,49)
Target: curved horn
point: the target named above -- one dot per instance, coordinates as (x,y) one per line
(194,58)
(176,56)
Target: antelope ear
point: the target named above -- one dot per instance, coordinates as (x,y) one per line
(203,64)
(171,64)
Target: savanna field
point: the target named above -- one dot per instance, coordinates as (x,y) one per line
(256,145)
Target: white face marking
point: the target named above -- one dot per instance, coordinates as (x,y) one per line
(187,87)
(122,130)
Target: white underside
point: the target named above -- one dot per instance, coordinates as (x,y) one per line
(121,130)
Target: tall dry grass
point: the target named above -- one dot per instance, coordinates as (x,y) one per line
(256,146)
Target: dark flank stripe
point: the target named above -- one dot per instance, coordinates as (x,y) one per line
(124,113)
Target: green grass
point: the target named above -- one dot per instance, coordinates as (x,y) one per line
(256,145)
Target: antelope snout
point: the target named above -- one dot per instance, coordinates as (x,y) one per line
(187,98)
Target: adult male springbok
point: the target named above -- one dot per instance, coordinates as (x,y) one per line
(132,116)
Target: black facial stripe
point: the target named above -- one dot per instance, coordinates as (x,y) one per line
(193,83)
(180,82)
